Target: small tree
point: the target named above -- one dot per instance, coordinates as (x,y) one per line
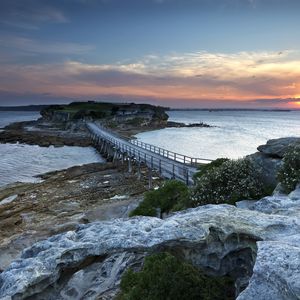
(165,277)
(172,196)
(208,167)
(289,173)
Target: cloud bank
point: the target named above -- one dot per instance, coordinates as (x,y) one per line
(192,77)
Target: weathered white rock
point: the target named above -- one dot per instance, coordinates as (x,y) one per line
(219,238)
(276,274)
(288,205)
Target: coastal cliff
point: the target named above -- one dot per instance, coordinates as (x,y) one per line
(110,113)
(61,125)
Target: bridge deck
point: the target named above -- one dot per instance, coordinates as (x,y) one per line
(169,164)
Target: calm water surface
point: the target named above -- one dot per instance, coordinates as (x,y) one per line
(7,117)
(22,162)
(237,133)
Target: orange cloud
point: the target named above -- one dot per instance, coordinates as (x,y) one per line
(196,76)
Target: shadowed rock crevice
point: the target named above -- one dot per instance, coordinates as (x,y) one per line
(233,255)
(97,276)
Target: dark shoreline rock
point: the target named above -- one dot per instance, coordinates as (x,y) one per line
(276,148)
(269,158)
(179,125)
(44,134)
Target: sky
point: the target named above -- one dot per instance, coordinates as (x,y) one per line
(176,53)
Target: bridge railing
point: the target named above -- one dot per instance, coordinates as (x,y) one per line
(184,159)
(168,169)
(176,166)
(181,158)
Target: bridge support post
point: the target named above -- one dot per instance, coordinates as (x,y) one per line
(105,148)
(129,164)
(115,155)
(150,181)
(173,171)
(187,177)
(139,169)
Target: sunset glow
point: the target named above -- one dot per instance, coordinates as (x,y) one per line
(184,57)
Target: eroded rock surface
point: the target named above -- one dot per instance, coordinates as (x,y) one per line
(79,195)
(219,238)
(276,274)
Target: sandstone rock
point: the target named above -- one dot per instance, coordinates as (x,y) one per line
(288,205)
(276,272)
(277,147)
(219,238)
(63,200)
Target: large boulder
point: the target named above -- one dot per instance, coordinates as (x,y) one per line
(278,147)
(269,158)
(267,166)
(221,239)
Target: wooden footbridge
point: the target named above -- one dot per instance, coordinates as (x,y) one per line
(169,164)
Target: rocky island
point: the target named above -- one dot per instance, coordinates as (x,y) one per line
(80,232)
(64,124)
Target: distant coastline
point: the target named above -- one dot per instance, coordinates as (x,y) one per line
(40,107)
(23,108)
(231,109)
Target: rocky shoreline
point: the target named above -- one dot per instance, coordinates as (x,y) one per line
(45,134)
(171,124)
(31,212)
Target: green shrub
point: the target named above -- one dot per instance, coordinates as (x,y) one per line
(172,196)
(232,181)
(111,124)
(165,277)
(289,173)
(208,167)
(135,121)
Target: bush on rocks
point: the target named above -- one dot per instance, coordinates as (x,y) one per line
(208,167)
(165,277)
(231,181)
(172,196)
(289,173)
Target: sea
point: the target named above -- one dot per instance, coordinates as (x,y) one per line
(22,163)
(236,133)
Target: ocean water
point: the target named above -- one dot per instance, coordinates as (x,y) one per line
(20,163)
(237,133)
(7,117)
